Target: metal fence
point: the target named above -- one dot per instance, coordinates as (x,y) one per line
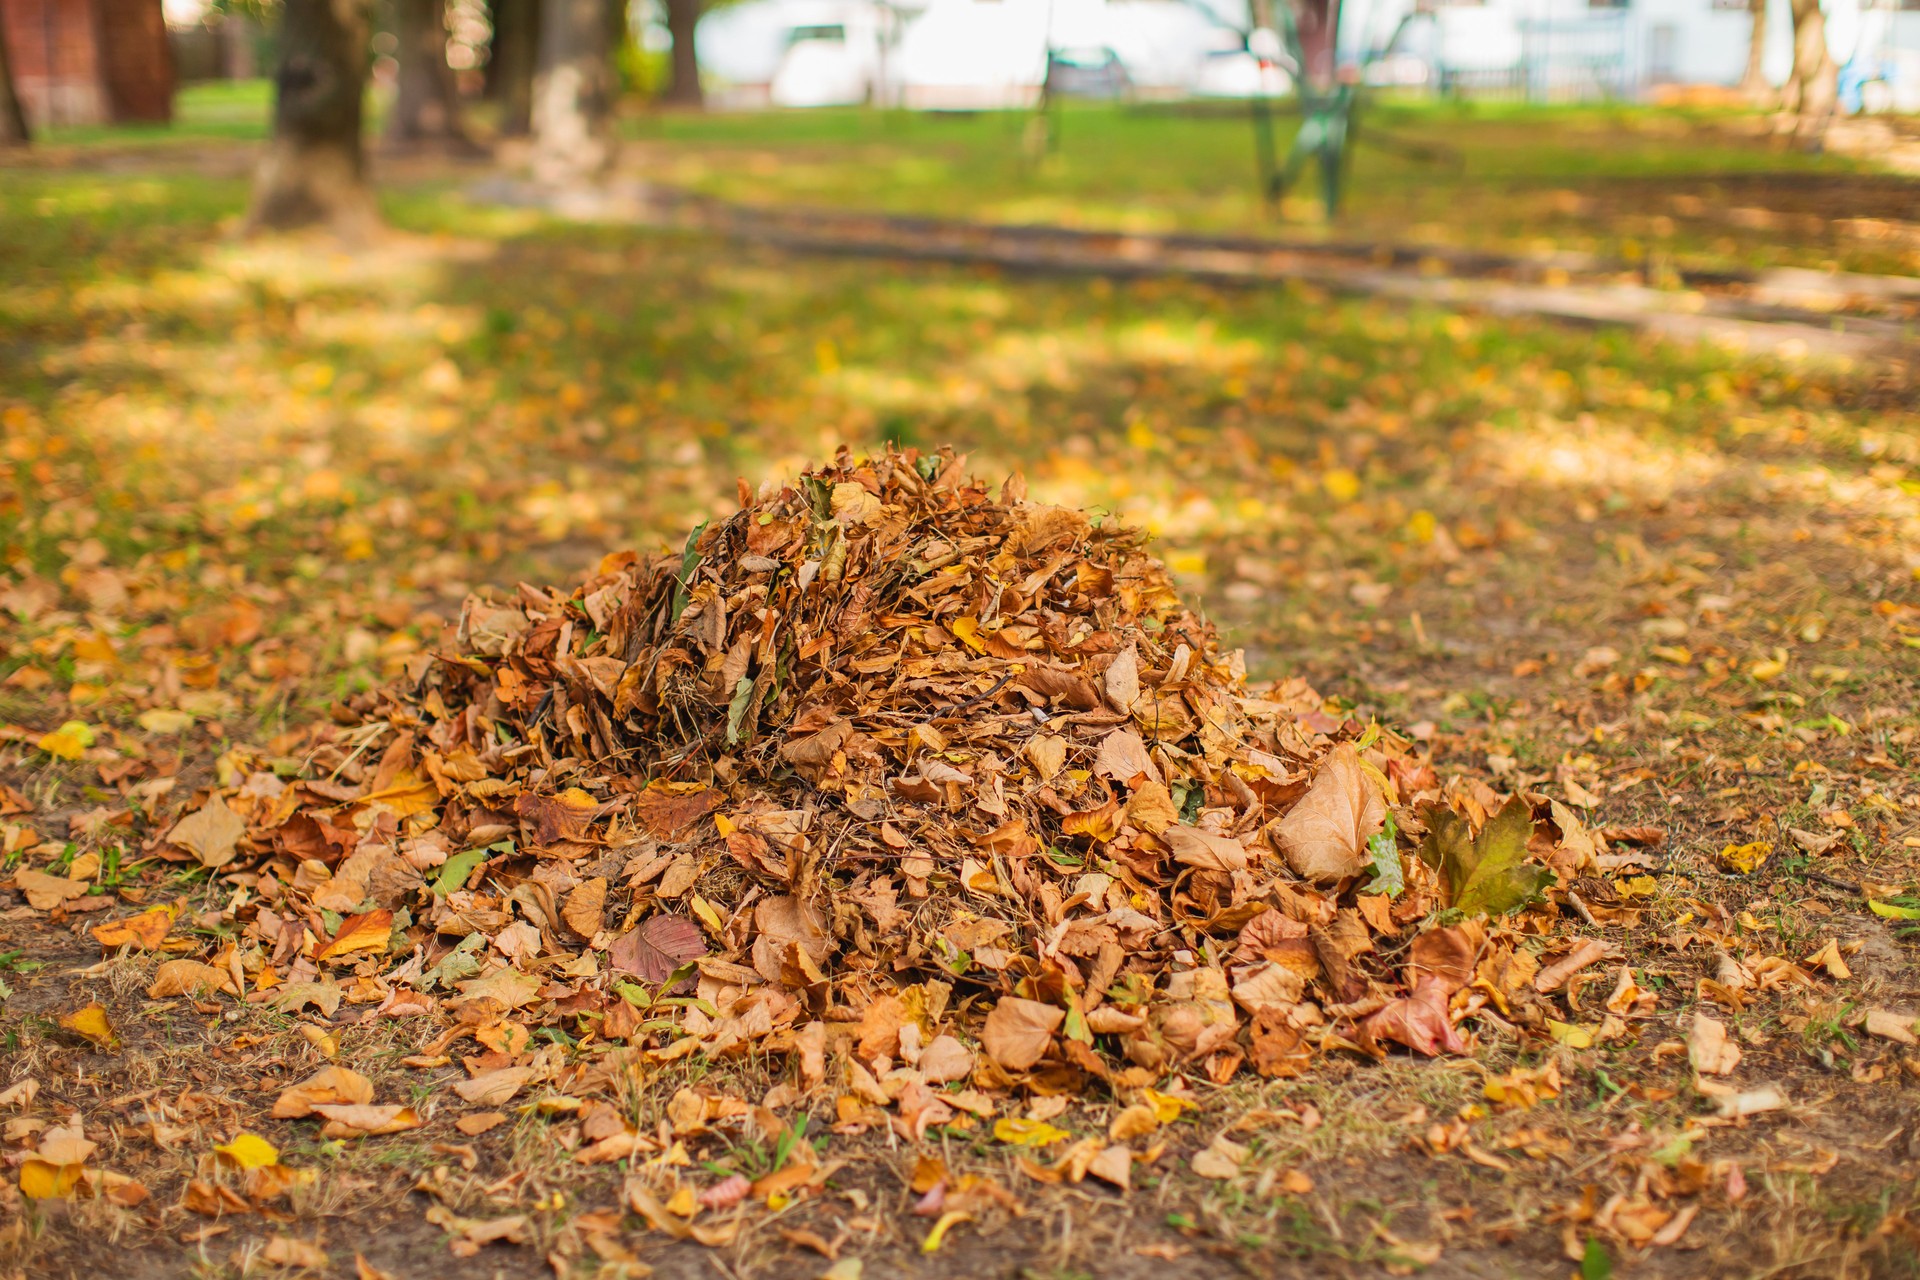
(1577,58)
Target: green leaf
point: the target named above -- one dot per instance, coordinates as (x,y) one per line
(1596,1263)
(461,962)
(1389,877)
(1892,910)
(455,870)
(737,709)
(689,560)
(1490,874)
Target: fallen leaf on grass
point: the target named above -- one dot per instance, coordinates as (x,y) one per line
(249,1151)
(1487,874)
(470,1235)
(358,1120)
(479,1122)
(1745,859)
(1324,836)
(1828,957)
(146,930)
(44,892)
(658,947)
(643,1202)
(188,978)
(492,1088)
(1891,1025)
(210,833)
(287,1251)
(725,1194)
(69,742)
(1016,1132)
(368,932)
(329,1086)
(1734,1104)
(1419,1021)
(92,1024)
(1221,1159)
(1017,1033)
(1709,1049)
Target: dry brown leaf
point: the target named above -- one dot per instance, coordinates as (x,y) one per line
(1324,836)
(493,1088)
(1196,848)
(188,978)
(1017,1033)
(585,906)
(945,1060)
(1709,1048)
(354,1120)
(211,833)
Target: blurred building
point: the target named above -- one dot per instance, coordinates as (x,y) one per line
(1560,50)
(84,62)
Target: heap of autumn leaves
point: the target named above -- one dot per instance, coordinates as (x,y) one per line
(895,774)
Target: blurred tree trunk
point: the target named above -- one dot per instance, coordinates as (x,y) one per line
(511,61)
(682,17)
(426,107)
(573,93)
(1813,85)
(1754,83)
(1319,22)
(13,121)
(314,171)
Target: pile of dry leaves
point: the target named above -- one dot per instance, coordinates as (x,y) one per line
(943,790)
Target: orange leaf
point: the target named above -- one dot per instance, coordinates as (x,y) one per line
(368,932)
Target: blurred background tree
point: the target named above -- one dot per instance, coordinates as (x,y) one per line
(426,104)
(575,89)
(512,57)
(314,171)
(13,121)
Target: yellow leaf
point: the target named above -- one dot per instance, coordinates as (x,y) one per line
(1745,859)
(42,1181)
(1569,1035)
(1166,1107)
(708,916)
(967,632)
(1027,1133)
(938,1235)
(1341,484)
(250,1151)
(93,1024)
(164,721)
(369,932)
(69,742)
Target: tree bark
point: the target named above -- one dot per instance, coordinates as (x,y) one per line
(684,90)
(1813,85)
(1754,83)
(573,93)
(511,59)
(426,108)
(13,121)
(1319,21)
(314,172)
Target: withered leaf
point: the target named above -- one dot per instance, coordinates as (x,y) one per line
(659,945)
(1016,1034)
(663,813)
(210,833)
(1324,836)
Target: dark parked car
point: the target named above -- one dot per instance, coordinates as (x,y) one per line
(1087,73)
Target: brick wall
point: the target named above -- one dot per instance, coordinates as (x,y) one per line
(79,62)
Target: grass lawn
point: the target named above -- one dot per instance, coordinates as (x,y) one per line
(1672,587)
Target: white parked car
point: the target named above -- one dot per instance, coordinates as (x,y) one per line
(832,59)
(1235,73)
